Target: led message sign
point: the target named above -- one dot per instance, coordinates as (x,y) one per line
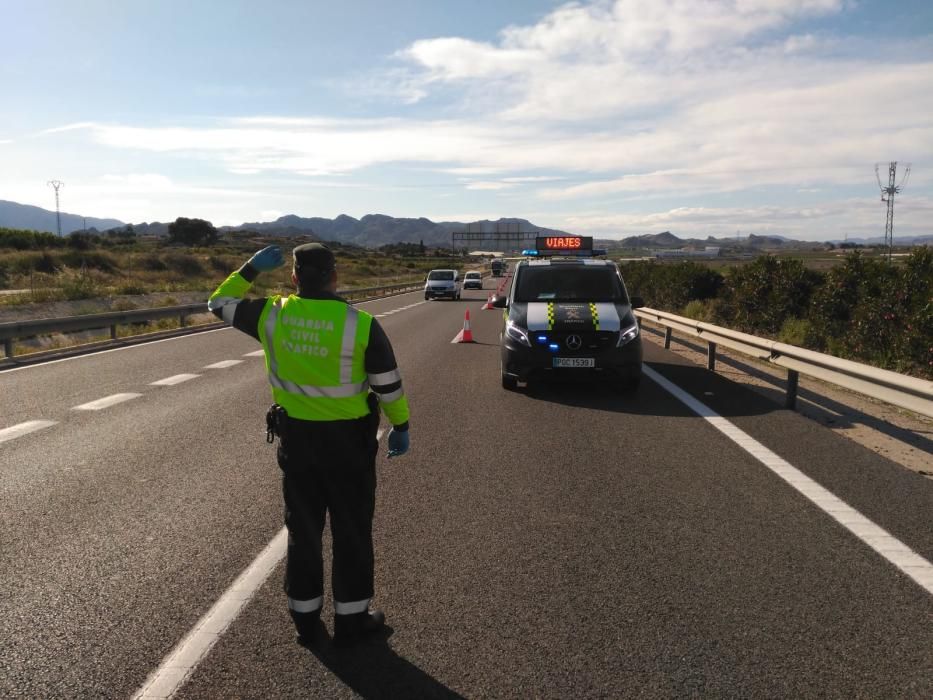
(559,244)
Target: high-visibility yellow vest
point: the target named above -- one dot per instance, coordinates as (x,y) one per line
(315,351)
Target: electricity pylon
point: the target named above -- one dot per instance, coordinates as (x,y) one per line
(887,197)
(57,184)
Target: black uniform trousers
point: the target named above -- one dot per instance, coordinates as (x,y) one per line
(329,467)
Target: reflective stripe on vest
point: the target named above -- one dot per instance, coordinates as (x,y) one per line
(345,389)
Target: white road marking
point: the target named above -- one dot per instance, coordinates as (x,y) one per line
(888,546)
(223,364)
(180,663)
(30,426)
(105,402)
(175,379)
(255,353)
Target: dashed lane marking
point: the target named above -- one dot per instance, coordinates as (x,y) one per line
(105,402)
(403,308)
(30,426)
(255,353)
(888,546)
(177,667)
(175,379)
(223,364)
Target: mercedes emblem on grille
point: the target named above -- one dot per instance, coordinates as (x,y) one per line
(574,342)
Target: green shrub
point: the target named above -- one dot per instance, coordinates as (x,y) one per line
(131,288)
(152,263)
(795,331)
(19,239)
(760,296)
(79,284)
(104,262)
(699,310)
(184,265)
(665,286)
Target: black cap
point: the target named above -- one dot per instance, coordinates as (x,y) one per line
(312,258)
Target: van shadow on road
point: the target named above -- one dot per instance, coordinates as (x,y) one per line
(727,398)
(374,670)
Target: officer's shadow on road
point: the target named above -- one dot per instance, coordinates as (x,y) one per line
(374,670)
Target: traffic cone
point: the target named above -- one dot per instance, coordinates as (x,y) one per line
(466,335)
(488,305)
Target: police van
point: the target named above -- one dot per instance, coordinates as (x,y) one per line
(568,312)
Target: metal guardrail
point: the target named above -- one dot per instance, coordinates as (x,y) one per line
(894,388)
(13,330)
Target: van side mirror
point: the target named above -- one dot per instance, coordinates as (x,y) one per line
(637,302)
(500,302)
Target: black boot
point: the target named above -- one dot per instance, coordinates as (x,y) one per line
(351,629)
(308,625)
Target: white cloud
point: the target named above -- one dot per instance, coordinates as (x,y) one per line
(601,105)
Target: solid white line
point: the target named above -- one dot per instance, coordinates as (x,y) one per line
(105,402)
(174,379)
(888,546)
(180,663)
(223,364)
(30,426)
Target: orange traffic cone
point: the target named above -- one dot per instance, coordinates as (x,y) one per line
(466,335)
(488,305)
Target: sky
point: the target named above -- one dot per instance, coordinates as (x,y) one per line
(610,118)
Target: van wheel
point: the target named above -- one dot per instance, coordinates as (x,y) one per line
(509,383)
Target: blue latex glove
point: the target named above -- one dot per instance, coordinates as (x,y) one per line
(398,443)
(267,259)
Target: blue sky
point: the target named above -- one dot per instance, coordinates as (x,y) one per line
(611,118)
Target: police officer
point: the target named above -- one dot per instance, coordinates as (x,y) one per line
(331,367)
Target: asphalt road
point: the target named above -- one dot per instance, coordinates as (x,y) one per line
(561,541)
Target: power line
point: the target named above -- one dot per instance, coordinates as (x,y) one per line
(887,197)
(57,184)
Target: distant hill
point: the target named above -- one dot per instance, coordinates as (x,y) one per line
(374,230)
(24,216)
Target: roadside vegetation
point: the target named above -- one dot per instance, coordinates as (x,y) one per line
(863,308)
(86,266)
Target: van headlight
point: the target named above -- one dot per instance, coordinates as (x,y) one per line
(627,335)
(517,333)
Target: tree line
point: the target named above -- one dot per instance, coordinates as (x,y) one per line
(864,309)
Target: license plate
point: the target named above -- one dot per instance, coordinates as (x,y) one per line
(574,362)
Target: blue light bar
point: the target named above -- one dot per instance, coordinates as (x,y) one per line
(554,347)
(530,251)
(542,339)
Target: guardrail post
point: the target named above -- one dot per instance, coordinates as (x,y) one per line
(711,356)
(790,400)
(113,331)
(182,319)
(8,347)
(668,332)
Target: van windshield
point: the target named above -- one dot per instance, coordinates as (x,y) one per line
(565,283)
(473,275)
(441,275)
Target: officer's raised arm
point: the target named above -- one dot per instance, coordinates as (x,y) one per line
(227,301)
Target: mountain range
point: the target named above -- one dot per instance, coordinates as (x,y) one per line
(374,230)
(24,216)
